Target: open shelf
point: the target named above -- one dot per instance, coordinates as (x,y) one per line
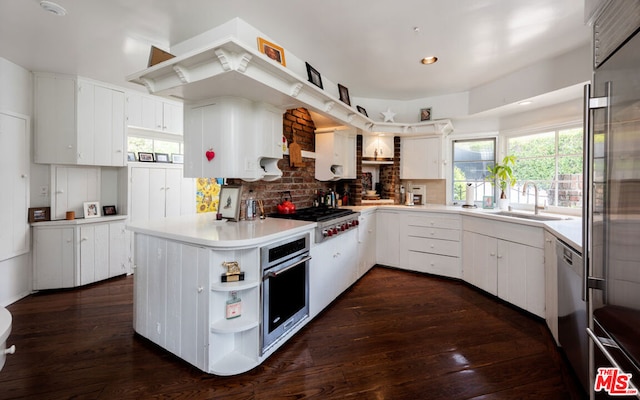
(233,363)
(234,286)
(242,323)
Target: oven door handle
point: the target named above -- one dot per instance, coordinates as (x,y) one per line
(275,274)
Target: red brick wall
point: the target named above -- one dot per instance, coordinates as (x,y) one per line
(390,175)
(300,181)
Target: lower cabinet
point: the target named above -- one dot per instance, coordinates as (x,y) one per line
(334,267)
(430,242)
(74,253)
(506,260)
(366,243)
(388,238)
(551,284)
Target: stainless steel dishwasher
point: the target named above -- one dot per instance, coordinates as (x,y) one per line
(572,311)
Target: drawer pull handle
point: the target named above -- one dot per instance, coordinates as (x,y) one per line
(10,350)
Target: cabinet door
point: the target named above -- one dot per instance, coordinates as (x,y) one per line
(157,193)
(521,276)
(172,117)
(53,260)
(173,195)
(87,254)
(388,238)
(55,120)
(134,109)
(14,164)
(269,122)
(551,284)
(479,261)
(86,123)
(420,158)
(366,243)
(101,252)
(118,254)
(140,194)
(349,156)
(324,276)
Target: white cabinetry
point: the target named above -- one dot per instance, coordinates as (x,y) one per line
(388,238)
(154,113)
(366,242)
(75,253)
(180,303)
(335,154)
(551,284)
(430,242)
(246,138)
(514,252)
(420,158)
(78,121)
(377,148)
(14,180)
(333,269)
(157,191)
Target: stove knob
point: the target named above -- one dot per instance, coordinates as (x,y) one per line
(328,233)
(356,222)
(325,233)
(335,231)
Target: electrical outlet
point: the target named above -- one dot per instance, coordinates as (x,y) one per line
(44,191)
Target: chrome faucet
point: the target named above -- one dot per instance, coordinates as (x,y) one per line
(535,188)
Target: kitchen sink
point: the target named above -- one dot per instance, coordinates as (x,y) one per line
(534,217)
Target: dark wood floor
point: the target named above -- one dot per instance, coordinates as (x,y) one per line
(393,335)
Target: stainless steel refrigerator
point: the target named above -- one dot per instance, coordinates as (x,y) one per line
(611,240)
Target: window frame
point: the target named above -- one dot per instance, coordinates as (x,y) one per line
(474,138)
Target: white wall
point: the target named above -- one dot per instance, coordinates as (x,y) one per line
(15,96)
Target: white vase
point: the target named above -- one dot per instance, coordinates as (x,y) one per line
(503,204)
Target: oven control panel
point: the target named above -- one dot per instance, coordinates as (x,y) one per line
(335,228)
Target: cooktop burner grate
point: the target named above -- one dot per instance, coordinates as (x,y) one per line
(316,214)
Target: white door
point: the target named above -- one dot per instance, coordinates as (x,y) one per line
(157,193)
(87,254)
(388,238)
(479,260)
(117,249)
(173,183)
(101,252)
(54,264)
(140,194)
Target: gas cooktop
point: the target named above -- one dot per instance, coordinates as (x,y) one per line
(315,214)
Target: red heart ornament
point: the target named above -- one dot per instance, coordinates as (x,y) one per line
(210,154)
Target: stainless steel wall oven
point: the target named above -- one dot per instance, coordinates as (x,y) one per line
(285,287)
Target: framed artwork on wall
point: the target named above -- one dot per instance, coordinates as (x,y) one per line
(344,94)
(362,111)
(273,51)
(314,76)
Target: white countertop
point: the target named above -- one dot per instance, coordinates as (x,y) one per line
(203,229)
(80,221)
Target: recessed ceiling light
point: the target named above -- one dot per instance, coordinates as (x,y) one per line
(429,60)
(53,8)
(525,103)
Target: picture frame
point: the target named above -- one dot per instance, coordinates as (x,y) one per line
(487,202)
(229,203)
(39,214)
(344,94)
(91,209)
(425,114)
(131,156)
(314,76)
(271,50)
(162,157)
(417,199)
(362,111)
(177,158)
(109,210)
(145,157)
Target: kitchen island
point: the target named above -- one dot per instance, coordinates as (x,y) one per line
(179,299)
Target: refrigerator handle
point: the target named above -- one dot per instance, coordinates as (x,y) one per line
(587,192)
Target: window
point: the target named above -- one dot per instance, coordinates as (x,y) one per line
(553,161)
(153,145)
(470,161)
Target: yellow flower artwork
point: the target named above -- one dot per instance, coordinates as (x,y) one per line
(207,195)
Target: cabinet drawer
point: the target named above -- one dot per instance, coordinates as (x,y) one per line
(435,220)
(435,246)
(434,264)
(433,233)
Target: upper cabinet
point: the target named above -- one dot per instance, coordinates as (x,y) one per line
(233,137)
(154,113)
(335,154)
(377,149)
(421,158)
(78,121)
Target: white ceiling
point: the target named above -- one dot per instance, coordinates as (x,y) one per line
(372,46)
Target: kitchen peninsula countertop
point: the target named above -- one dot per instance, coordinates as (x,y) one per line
(205,230)
(568,230)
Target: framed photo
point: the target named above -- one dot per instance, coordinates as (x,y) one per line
(273,51)
(145,157)
(91,209)
(425,114)
(229,204)
(487,202)
(314,76)
(177,158)
(162,157)
(39,214)
(131,156)
(344,94)
(109,210)
(362,111)
(417,199)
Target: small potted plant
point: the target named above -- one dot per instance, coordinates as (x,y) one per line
(502,174)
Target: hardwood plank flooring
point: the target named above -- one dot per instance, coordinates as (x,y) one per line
(393,335)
